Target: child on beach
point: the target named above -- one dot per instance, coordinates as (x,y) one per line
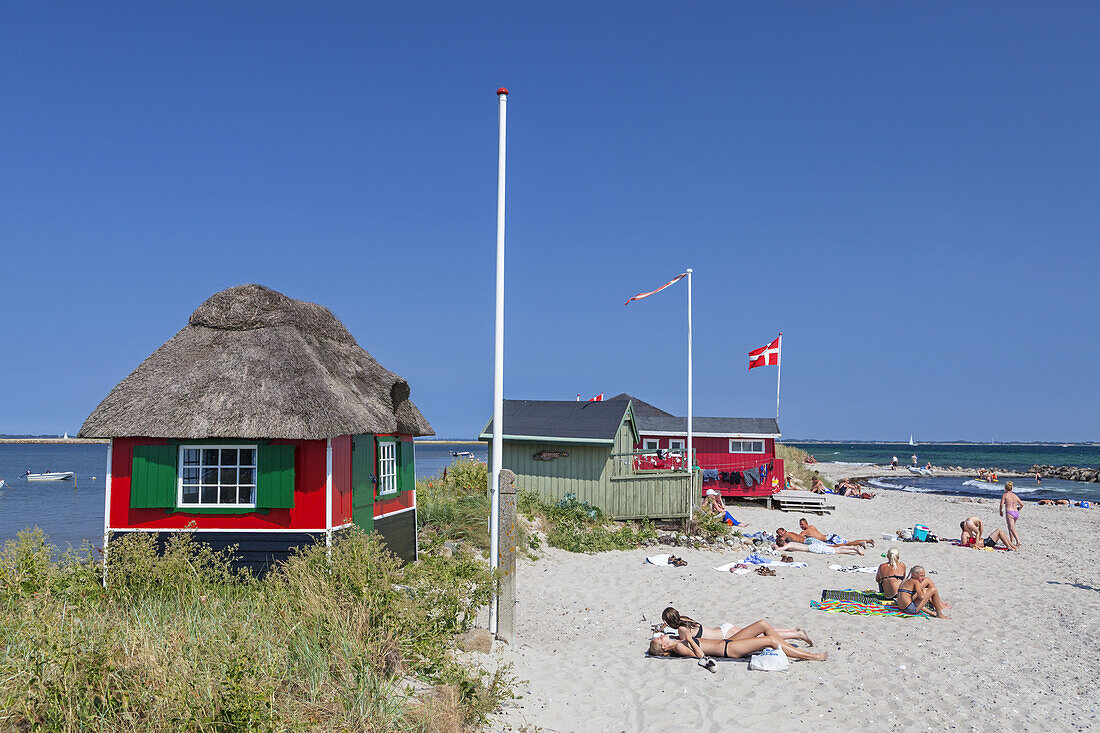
(1010,510)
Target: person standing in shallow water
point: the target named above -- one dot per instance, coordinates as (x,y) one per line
(1010,510)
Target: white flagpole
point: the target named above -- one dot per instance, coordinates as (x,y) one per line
(690,455)
(498,365)
(778,375)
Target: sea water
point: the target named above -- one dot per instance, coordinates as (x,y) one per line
(71,511)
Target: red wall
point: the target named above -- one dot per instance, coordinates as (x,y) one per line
(309,494)
(341,480)
(714,453)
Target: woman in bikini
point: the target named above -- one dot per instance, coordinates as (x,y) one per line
(689,628)
(890,574)
(1010,510)
(917,592)
(751,639)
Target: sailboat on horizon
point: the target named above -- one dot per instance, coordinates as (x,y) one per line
(911,441)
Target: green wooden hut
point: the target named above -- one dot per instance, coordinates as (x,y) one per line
(587,449)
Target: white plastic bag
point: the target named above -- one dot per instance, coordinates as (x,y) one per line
(770,660)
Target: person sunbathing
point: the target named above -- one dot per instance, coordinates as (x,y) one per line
(917,592)
(817,487)
(808,530)
(890,574)
(689,628)
(815,546)
(998,535)
(749,640)
(791,536)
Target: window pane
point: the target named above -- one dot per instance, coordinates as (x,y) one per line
(228,495)
(247,476)
(245,495)
(210,457)
(248,457)
(210,475)
(190,494)
(229,456)
(228,477)
(190,475)
(758,447)
(209,494)
(191,457)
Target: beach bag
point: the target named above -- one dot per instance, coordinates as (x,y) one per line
(770,660)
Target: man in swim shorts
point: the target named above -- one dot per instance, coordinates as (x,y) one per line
(1010,510)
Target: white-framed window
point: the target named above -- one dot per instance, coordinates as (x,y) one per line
(650,444)
(746,446)
(675,444)
(387,467)
(217,476)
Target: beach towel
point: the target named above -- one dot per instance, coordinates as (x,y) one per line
(732,567)
(853,569)
(659,560)
(862,609)
(835,539)
(956,543)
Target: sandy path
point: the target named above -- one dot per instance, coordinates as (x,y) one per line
(1019,652)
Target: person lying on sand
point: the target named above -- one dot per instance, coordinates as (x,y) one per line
(808,530)
(998,535)
(749,640)
(689,628)
(917,592)
(791,536)
(890,574)
(815,546)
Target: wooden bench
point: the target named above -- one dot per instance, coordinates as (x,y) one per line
(800,501)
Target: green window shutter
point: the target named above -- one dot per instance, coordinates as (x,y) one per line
(153,474)
(406,474)
(275,477)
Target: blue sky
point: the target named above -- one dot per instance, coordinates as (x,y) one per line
(908,192)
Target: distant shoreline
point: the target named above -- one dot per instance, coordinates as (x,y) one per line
(448,442)
(935,442)
(55,441)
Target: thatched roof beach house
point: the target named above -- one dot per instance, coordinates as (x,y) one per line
(261,423)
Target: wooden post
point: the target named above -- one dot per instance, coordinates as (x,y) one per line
(506,557)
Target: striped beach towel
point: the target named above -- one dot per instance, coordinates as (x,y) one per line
(861,609)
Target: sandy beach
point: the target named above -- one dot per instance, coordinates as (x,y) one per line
(1018,654)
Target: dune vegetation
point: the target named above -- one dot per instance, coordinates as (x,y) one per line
(178,640)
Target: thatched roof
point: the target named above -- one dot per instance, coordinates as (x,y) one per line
(253,363)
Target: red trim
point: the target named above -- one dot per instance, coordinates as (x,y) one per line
(341,480)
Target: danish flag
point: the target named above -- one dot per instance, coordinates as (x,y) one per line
(765,355)
(597,398)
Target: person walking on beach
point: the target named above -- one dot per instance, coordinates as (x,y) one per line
(893,463)
(914,459)
(1010,510)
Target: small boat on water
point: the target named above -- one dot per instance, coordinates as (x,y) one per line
(49,476)
(462,454)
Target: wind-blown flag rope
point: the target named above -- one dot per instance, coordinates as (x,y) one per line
(674,280)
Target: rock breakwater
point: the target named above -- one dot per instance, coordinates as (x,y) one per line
(1069,473)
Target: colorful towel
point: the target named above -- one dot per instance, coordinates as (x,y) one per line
(862,609)
(982,546)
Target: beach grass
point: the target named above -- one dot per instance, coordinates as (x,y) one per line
(795,466)
(178,640)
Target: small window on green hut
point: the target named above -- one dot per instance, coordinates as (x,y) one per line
(218,476)
(387,467)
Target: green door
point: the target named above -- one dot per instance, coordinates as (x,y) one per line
(362,481)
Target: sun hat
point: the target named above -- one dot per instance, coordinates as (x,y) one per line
(712,492)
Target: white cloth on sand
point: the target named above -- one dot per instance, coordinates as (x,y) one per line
(659,560)
(853,569)
(773,564)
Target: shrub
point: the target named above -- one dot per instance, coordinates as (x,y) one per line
(178,640)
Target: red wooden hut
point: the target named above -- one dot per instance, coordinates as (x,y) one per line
(260,424)
(736,454)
